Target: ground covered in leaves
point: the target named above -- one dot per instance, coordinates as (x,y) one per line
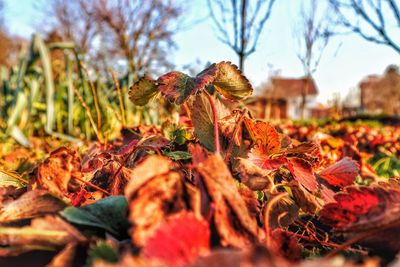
(214,188)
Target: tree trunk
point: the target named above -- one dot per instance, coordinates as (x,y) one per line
(242,35)
(304,96)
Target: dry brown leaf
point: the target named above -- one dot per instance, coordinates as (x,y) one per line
(58,172)
(235,225)
(253,176)
(32,204)
(154,192)
(65,257)
(49,231)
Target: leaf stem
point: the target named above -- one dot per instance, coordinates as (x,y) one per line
(268,209)
(215,120)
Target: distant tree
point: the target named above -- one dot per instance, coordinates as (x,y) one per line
(313,37)
(376,21)
(69,21)
(240,23)
(9,45)
(139,33)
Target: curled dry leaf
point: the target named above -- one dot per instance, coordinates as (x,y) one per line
(235,225)
(58,172)
(32,204)
(307,202)
(179,239)
(153,193)
(230,127)
(253,176)
(282,213)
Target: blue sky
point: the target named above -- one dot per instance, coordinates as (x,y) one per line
(346,60)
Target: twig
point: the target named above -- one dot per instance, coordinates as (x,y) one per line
(215,119)
(121,103)
(94,92)
(85,106)
(93,185)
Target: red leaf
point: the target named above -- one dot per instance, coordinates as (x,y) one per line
(360,208)
(265,162)
(303,173)
(180,239)
(176,86)
(266,138)
(342,173)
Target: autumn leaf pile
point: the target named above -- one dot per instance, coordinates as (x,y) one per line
(214,188)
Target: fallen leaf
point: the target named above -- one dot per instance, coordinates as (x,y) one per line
(341,173)
(32,204)
(179,240)
(235,225)
(302,171)
(153,194)
(253,176)
(286,245)
(43,233)
(58,172)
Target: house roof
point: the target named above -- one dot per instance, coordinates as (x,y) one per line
(291,87)
(369,82)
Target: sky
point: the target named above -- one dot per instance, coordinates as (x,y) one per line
(345,62)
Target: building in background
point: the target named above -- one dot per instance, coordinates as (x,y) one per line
(381,93)
(281,98)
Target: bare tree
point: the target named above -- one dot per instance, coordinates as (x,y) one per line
(69,21)
(376,21)
(139,33)
(313,37)
(240,23)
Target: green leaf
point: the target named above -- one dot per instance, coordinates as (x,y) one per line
(143,91)
(178,155)
(202,119)
(230,82)
(108,214)
(175,133)
(101,251)
(177,86)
